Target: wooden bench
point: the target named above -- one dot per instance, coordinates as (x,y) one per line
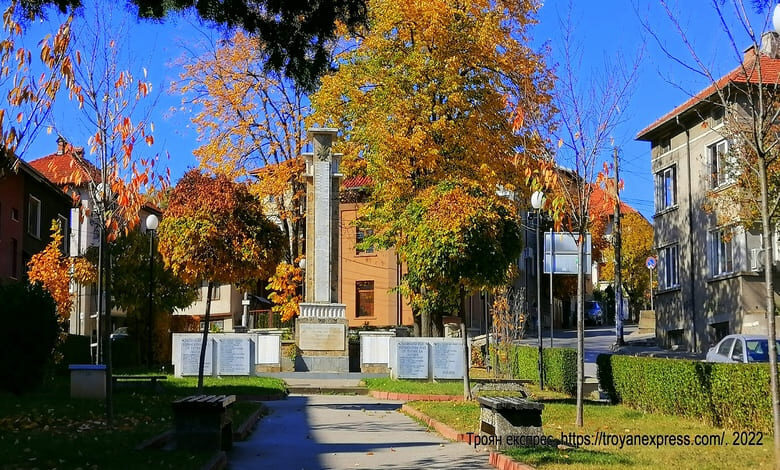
(151,379)
(509,416)
(202,422)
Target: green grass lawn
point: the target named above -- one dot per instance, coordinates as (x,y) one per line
(558,417)
(445,387)
(48,429)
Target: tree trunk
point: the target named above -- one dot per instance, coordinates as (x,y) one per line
(425,323)
(770,304)
(580,325)
(206,320)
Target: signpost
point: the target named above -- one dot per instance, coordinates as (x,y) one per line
(650,263)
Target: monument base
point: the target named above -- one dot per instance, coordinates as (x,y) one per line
(322,340)
(306,363)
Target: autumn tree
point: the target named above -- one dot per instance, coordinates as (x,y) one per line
(214,230)
(29,82)
(250,124)
(129,282)
(637,246)
(426,99)
(297,36)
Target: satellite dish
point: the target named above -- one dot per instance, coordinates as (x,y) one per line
(776,18)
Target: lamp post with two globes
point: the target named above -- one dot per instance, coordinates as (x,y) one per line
(151,226)
(537,201)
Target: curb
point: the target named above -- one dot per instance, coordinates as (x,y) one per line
(413,396)
(245,429)
(272,397)
(218,462)
(497,460)
(441,428)
(502,462)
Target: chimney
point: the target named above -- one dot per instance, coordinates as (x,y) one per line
(61,142)
(770,45)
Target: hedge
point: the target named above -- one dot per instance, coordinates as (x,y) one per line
(729,395)
(75,350)
(560,367)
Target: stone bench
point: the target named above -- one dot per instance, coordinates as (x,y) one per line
(202,422)
(502,385)
(509,416)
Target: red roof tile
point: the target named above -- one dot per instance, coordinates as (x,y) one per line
(355,182)
(66,168)
(602,205)
(769,74)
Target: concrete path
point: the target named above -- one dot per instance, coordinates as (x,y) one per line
(312,432)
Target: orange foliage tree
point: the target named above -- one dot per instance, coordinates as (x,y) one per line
(29,82)
(215,231)
(429,100)
(251,124)
(55,271)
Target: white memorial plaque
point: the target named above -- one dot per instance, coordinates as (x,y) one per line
(321,336)
(447,361)
(190,356)
(412,360)
(268,349)
(234,356)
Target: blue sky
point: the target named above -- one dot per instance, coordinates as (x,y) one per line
(601,28)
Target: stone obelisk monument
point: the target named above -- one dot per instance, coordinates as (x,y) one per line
(321,327)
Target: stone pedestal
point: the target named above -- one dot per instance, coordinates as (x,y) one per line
(321,336)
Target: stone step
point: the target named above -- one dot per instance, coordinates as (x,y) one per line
(326,390)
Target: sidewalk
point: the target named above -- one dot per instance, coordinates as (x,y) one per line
(345,432)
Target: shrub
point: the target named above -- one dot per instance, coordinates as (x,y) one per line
(28,336)
(730,395)
(75,350)
(560,367)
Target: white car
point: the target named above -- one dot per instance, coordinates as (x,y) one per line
(741,349)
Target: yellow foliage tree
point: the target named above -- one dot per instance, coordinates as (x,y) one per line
(636,246)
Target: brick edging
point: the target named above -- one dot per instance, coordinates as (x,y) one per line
(502,462)
(441,428)
(413,396)
(497,460)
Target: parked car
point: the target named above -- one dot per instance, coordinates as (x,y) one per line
(593,313)
(741,349)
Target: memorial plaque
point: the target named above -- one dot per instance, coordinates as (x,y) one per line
(321,336)
(234,356)
(190,356)
(412,360)
(268,349)
(447,361)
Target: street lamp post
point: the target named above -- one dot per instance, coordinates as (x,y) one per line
(151,226)
(537,200)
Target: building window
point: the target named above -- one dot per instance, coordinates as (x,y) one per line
(34,217)
(364,298)
(14,254)
(722,169)
(665,145)
(360,235)
(666,188)
(204,288)
(721,251)
(669,267)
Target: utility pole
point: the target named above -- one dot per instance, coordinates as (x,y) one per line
(616,242)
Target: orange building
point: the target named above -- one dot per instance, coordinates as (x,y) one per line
(367,277)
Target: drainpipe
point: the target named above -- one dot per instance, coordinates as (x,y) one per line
(690,232)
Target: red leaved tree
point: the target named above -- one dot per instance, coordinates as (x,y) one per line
(214,230)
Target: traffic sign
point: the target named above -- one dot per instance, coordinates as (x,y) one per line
(650,263)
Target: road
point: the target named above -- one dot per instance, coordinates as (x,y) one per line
(597,341)
(347,432)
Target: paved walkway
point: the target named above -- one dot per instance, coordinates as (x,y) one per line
(311,432)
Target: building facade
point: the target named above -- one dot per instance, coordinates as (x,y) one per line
(710,278)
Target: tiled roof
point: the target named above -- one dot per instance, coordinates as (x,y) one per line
(602,205)
(355,182)
(770,74)
(63,169)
